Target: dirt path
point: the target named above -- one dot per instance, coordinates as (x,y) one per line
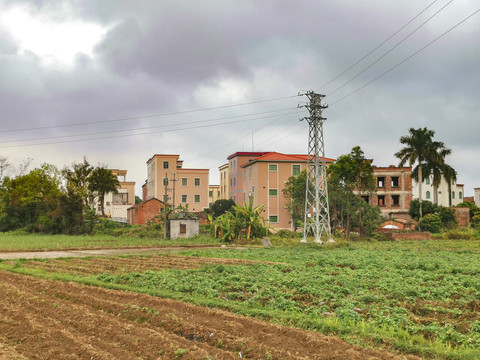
(99,252)
(42,319)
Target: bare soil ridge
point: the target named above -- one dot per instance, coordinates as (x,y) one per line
(43,319)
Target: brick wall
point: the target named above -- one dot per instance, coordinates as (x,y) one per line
(463,216)
(145,211)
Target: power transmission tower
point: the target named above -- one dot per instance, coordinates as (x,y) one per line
(317,215)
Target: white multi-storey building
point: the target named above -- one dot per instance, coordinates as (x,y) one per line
(443,196)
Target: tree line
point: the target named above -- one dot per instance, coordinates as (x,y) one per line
(47,199)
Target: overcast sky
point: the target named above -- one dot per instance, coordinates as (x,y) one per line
(117,80)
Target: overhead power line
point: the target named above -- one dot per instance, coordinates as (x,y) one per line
(406,59)
(145,133)
(390,50)
(144,128)
(148,116)
(377,47)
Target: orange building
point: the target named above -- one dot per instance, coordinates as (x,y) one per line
(264,178)
(169,181)
(224,179)
(235,174)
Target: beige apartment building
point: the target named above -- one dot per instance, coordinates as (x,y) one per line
(224,179)
(116,205)
(168,181)
(213,193)
(264,178)
(235,174)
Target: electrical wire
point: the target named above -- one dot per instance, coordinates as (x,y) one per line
(404,60)
(143,128)
(232,142)
(148,116)
(391,49)
(147,133)
(382,43)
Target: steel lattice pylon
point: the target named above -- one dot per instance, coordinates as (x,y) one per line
(317,216)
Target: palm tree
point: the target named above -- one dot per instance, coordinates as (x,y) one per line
(450,176)
(102,181)
(436,167)
(420,148)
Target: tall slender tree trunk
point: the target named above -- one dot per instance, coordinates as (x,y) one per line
(420,181)
(435,194)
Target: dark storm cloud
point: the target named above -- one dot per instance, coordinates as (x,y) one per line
(167,56)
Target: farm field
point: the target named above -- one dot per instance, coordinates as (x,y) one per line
(42,242)
(414,298)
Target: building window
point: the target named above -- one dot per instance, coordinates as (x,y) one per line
(253,189)
(197,181)
(165,164)
(295,170)
(272,167)
(395,200)
(394,181)
(119,199)
(184,181)
(381,200)
(184,198)
(366,199)
(460,195)
(273,192)
(427,180)
(197,198)
(453,194)
(165,181)
(250,173)
(218,193)
(273,219)
(428,195)
(183,228)
(381,181)
(210,193)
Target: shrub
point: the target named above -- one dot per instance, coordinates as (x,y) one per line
(447,215)
(431,223)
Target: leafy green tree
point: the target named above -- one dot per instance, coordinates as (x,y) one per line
(101,182)
(220,207)
(348,178)
(431,223)
(246,222)
(420,148)
(138,199)
(28,200)
(295,194)
(77,179)
(427,206)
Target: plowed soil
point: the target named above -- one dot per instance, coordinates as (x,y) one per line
(43,319)
(92,266)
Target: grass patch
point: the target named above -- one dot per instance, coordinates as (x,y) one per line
(45,242)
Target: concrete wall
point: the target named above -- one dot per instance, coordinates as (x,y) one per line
(191,228)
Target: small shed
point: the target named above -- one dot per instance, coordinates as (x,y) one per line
(184,228)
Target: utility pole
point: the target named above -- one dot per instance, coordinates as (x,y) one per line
(316,200)
(174,181)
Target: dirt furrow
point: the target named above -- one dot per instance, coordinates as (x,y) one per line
(128,326)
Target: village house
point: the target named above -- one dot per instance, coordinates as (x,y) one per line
(168,181)
(264,178)
(116,205)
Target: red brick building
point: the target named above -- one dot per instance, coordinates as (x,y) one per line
(141,213)
(394,191)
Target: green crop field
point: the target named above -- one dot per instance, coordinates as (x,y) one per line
(418,297)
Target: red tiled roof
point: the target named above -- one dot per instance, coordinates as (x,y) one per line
(246,153)
(275,156)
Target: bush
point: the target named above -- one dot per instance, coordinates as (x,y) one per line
(431,223)
(459,235)
(447,215)
(285,234)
